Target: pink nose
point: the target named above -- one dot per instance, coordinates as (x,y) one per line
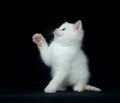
(56,31)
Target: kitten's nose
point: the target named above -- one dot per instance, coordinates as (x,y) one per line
(57,29)
(56,32)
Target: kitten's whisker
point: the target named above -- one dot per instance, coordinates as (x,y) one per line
(49,34)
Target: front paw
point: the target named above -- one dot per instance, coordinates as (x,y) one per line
(50,89)
(38,39)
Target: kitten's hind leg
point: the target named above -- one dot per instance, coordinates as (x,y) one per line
(62,88)
(78,87)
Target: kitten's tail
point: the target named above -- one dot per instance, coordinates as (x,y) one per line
(92,88)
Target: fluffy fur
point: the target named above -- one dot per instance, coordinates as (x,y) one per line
(66,58)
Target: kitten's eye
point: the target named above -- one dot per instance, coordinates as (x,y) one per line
(64,29)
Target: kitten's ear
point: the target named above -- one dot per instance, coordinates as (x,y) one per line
(78,25)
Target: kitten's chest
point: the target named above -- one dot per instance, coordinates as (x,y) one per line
(62,52)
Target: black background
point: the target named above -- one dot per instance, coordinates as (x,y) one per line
(25,67)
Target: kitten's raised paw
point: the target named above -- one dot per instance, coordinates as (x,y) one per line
(37,38)
(49,89)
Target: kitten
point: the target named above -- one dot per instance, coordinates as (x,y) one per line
(66,58)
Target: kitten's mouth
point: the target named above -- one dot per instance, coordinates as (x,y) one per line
(57,34)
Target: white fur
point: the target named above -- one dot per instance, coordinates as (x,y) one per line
(66,58)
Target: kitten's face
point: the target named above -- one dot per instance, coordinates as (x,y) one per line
(69,32)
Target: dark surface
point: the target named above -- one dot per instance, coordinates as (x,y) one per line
(34,96)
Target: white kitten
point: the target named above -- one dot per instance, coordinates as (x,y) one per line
(66,58)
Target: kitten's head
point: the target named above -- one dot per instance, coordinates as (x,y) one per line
(69,32)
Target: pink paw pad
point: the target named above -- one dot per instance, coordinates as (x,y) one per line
(37,38)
